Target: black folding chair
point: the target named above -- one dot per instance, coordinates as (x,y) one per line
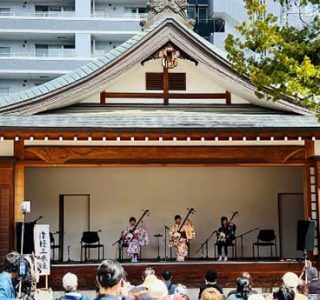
(90,240)
(266,238)
(54,246)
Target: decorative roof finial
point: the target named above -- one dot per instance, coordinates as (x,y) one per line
(162,9)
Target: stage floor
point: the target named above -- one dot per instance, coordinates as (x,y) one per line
(191,273)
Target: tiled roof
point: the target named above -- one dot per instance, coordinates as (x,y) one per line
(29,101)
(160,118)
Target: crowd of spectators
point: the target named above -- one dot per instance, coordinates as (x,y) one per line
(112,284)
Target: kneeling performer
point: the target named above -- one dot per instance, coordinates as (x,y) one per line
(135,236)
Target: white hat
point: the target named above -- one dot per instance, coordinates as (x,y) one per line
(157,289)
(290,279)
(70,282)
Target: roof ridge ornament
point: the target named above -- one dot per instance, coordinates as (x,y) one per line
(163,9)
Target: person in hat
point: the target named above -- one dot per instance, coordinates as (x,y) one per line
(157,289)
(291,280)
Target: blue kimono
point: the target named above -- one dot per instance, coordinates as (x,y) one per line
(7,291)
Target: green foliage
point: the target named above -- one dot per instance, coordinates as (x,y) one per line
(279,60)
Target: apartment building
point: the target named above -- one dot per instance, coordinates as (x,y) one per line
(42,39)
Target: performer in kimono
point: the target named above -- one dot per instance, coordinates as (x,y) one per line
(226,235)
(179,238)
(135,237)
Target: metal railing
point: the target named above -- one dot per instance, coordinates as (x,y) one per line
(72,14)
(65,53)
(53,14)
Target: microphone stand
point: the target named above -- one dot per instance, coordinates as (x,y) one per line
(241,238)
(166,228)
(206,243)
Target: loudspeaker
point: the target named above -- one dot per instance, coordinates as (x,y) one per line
(305,235)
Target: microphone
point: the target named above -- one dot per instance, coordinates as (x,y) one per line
(99,230)
(37,220)
(166,227)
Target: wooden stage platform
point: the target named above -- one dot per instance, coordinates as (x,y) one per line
(190,273)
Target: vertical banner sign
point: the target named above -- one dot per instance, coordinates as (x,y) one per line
(42,248)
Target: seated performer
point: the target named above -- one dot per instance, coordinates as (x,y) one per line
(135,237)
(226,234)
(179,237)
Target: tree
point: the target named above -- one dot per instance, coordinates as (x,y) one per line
(282,61)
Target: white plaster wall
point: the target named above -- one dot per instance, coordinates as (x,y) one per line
(118,193)
(6,148)
(199,80)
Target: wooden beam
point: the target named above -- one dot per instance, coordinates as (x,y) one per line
(285,155)
(161,95)
(195,134)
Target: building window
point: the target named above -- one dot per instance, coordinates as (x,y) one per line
(57,50)
(177,81)
(5,11)
(5,51)
(218,25)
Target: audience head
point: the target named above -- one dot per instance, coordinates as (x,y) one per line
(284,293)
(248,276)
(181,292)
(157,289)
(290,280)
(110,274)
(243,287)
(70,282)
(148,271)
(211,276)
(312,273)
(166,275)
(211,294)
(11,263)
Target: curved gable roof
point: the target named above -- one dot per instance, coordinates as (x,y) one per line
(67,89)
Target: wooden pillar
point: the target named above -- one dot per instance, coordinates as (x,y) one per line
(19,195)
(165,86)
(311,191)
(6,206)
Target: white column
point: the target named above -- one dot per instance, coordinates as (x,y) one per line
(83,45)
(83,8)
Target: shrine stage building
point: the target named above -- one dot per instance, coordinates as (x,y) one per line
(135,130)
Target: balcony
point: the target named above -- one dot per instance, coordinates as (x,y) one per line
(51,62)
(50,14)
(103,25)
